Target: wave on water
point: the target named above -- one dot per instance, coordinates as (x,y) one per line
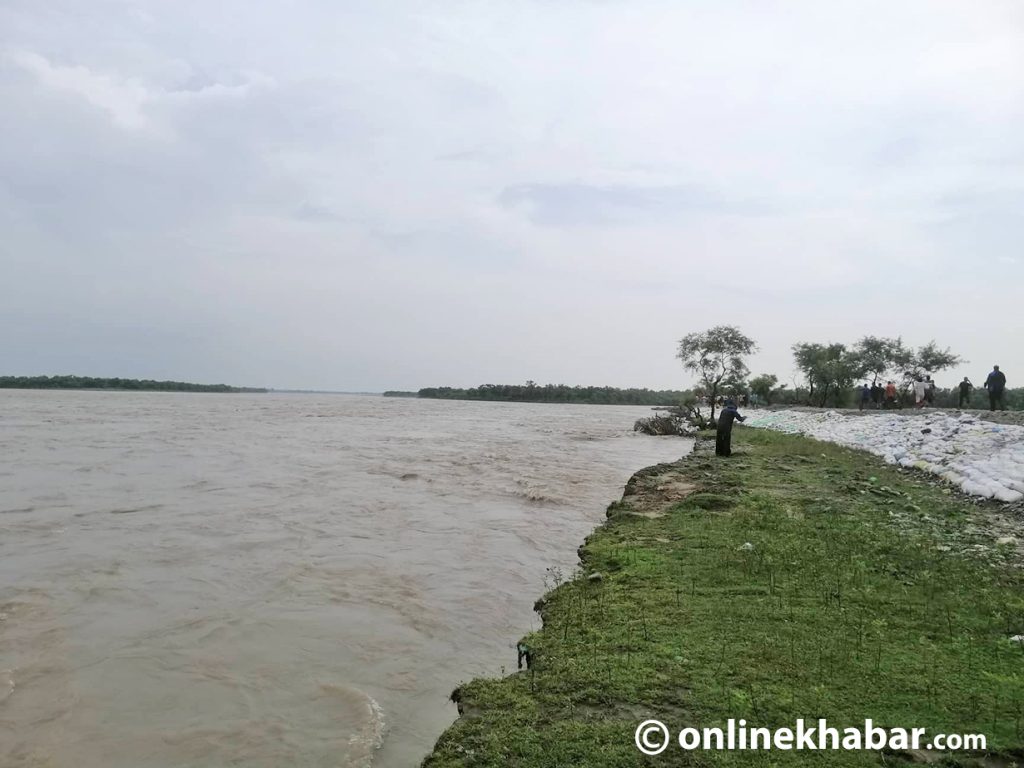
(535,495)
(368,735)
(6,684)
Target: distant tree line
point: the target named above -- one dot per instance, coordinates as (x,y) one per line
(89,382)
(531,392)
(400,393)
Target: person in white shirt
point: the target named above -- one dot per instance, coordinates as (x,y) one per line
(920,391)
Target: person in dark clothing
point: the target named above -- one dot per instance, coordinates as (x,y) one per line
(965,392)
(876,395)
(996,384)
(929,392)
(865,395)
(723,438)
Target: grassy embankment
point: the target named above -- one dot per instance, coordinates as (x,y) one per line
(868,593)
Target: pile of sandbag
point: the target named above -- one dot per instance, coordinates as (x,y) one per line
(981,458)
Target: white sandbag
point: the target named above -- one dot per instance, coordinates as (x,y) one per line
(1005,494)
(978,457)
(974,488)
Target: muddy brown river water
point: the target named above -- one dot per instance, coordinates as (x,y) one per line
(270,580)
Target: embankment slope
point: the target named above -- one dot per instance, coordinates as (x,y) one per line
(798,579)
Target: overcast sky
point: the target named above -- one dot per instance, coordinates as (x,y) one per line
(371,195)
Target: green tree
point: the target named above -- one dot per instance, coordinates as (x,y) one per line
(929,359)
(828,369)
(878,356)
(763,385)
(716,356)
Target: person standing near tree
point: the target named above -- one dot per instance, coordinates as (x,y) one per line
(965,392)
(996,385)
(929,392)
(876,395)
(865,395)
(890,394)
(920,389)
(723,436)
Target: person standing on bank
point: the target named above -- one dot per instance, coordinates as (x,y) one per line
(877,392)
(965,392)
(723,438)
(920,388)
(890,394)
(995,384)
(865,395)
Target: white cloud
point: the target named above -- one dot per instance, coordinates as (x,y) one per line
(123,100)
(130,104)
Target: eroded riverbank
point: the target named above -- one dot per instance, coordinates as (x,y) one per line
(800,579)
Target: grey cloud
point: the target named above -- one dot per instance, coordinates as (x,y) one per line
(589,205)
(901,151)
(316,213)
(368,194)
(468,155)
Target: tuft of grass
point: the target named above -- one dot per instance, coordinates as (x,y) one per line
(798,580)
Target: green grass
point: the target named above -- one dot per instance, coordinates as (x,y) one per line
(868,593)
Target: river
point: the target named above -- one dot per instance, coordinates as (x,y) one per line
(268,580)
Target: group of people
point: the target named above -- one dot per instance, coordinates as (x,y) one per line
(877,396)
